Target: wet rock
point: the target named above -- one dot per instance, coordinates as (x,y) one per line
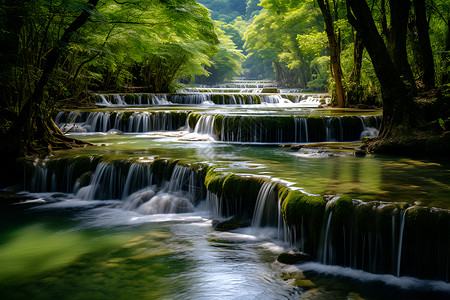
(291,258)
(233,223)
(270,90)
(360,153)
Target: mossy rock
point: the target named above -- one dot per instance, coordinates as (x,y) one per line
(270,90)
(283,193)
(298,204)
(218,121)
(293,258)
(126,116)
(131,98)
(214,181)
(343,210)
(237,186)
(193,119)
(304,283)
(233,223)
(428,220)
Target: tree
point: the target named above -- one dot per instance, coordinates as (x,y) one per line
(424,56)
(398,112)
(226,63)
(334,42)
(51,46)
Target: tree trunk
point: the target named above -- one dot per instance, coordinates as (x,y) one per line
(445,58)
(354,90)
(397,41)
(335,51)
(398,103)
(426,53)
(34,120)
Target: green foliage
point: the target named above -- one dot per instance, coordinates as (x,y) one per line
(286,35)
(226,63)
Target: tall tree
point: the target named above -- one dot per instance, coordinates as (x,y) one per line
(334,42)
(396,33)
(398,105)
(424,55)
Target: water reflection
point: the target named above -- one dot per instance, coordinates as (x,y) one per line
(317,170)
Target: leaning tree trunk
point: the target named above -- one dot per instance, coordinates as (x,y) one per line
(398,112)
(335,52)
(37,130)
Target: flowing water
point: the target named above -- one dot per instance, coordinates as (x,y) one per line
(100,223)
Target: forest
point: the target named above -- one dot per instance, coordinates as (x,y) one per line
(223,149)
(63,51)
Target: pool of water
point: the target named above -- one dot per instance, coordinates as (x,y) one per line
(323,169)
(59,247)
(55,246)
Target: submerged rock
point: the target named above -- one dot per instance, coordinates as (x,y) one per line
(291,258)
(233,223)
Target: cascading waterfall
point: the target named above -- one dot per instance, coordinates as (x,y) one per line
(268,129)
(75,122)
(266,210)
(371,236)
(205,125)
(135,184)
(214,96)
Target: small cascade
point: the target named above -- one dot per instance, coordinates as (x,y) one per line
(75,122)
(266,210)
(178,195)
(369,131)
(377,237)
(190,99)
(205,125)
(274,99)
(280,129)
(314,100)
(167,188)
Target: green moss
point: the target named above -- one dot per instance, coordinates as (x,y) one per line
(126,116)
(145,99)
(214,181)
(217,99)
(293,258)
(424,219)
(193,119)
(298,204)
(343,208)
(218,121)
(283,192)
(131,98)
(237,186)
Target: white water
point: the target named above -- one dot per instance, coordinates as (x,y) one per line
(266,207)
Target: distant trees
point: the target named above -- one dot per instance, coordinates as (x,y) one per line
(288,36)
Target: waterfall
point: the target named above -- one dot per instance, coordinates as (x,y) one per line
(98,122)
(274,99)
(369,131)
(178,195)
(327,245)
(400,239)
(123,121)
(205,125)
(267,209)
